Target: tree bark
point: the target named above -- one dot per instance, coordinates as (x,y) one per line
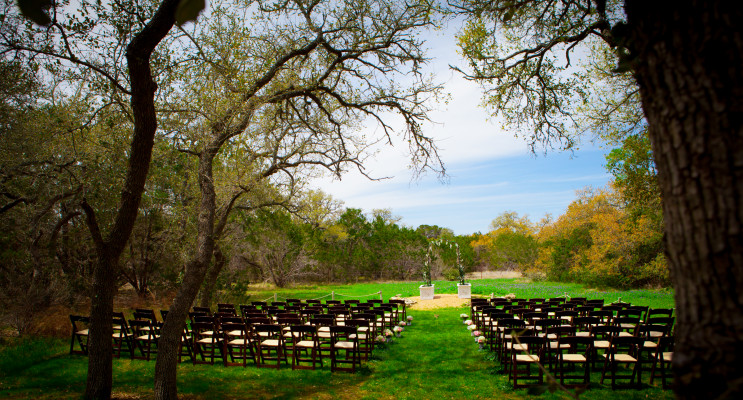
(688,61)
(139,51)
(207,292)
(166,387)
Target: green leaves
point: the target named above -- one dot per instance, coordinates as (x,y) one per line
(36,10)
(188,10)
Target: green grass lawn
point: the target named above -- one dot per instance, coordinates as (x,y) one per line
(435,358)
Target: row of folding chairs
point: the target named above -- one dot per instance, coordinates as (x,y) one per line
(599,326)
(208,337)
(570,359)
(297,305)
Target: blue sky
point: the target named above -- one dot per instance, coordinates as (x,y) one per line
(489,169)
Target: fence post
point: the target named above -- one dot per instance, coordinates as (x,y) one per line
(275,297)
(380,295)
(332,295)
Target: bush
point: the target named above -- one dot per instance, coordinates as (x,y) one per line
(451,274)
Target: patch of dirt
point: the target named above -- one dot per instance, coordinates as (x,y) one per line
(439,301)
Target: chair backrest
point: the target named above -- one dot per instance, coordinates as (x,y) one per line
(605,315)
(206,310)
(120,321)
(562,330)
(511,324)
(304,332)
(559,300)
(604,332)
(356,322)
(145,313)
(288,320)
(342,333)
(231,320)
(575,343)
(585,323)
(200,330)
(322,320)
(652,331)
(668,321)
(79,322)
(259,304)
(595,303)
(625,345)
(659,312)
(235,330)
(272,331)
(142,327)
(258,319)
(226,308)
(535,344)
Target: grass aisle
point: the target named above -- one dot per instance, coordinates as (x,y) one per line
(436,359)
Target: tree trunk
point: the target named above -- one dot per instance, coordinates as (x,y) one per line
(143,89)
(100,355)
(689,64)
(207,291)
(166,387)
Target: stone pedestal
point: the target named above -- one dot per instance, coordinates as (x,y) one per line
(464,291)
(426,292)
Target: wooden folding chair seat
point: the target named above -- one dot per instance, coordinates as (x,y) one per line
(526,356)
(344,344)
(306,347)
(507,328)
(362,335)
(270,344)
(238,343)
(627,325)
(601,336)
(401,308)
(323,322)
(145,337)
(206,342)
(79,334)
(573,366)
(651,335)
(553,347)
(624,351)
(662,361)
(122,336)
